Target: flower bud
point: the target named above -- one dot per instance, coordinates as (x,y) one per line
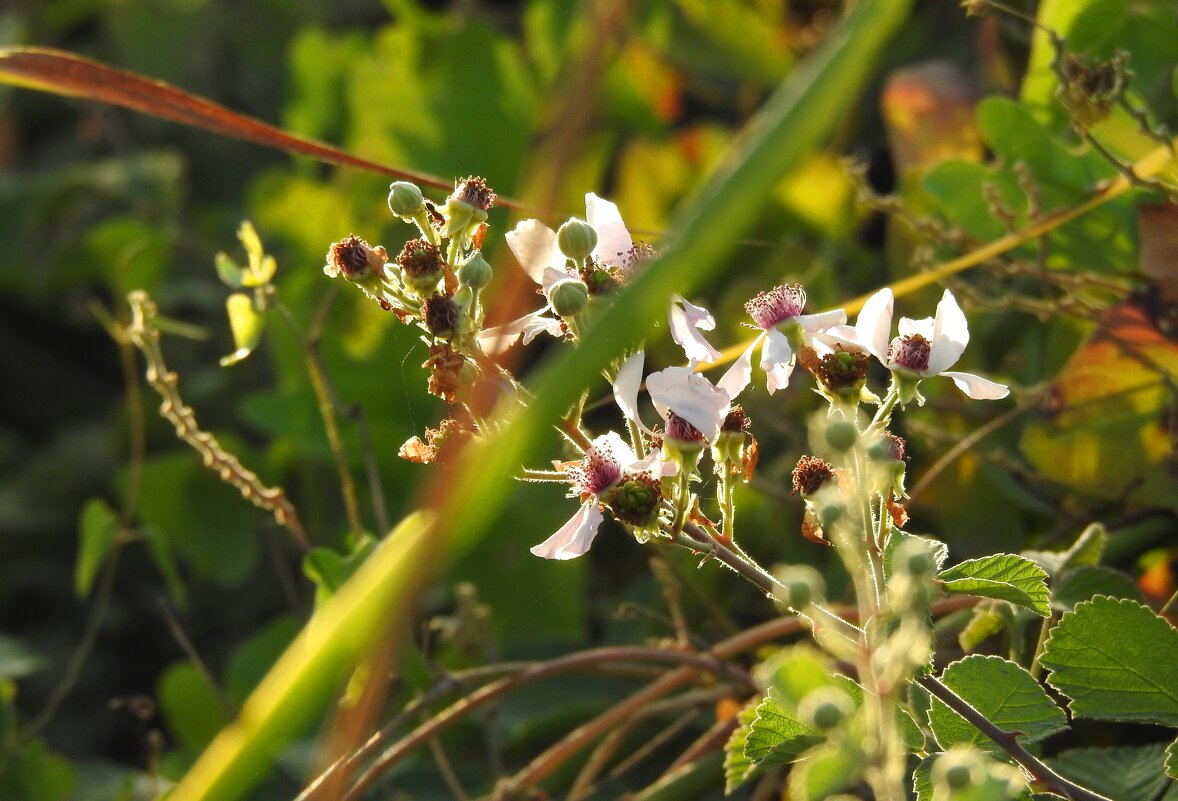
(801,585)
(841,435)
(405,200)
(466,209)
(576,239)
(475,272)
(825,708)
(569,298)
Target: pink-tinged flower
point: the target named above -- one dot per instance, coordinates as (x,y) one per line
(784,329)
(924,348)
(678,391)
(606,464)
(686,320)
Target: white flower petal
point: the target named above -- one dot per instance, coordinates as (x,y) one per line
(822,320)
(691,396)
(626,386)
(950,335)
(922,327)
(685,322)
(740,373)
(874,326)
(574,537)
(776,360)
(496,340)
(655,465)
(977,387)
(612,445)
(697,316)
(613,240)
(534,246)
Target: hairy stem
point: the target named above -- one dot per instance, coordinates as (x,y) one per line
(1008,742)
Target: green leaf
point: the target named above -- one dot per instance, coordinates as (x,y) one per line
(922,778)
(738,768)
(793,673)
(826,770)
(1084,582)
(191,706)
(776,736)
(329,569)
(98,528)
(32,773)
(1125,773)
(246,323)
(1172,760)
(1116,660)
(1003,576)
(1086,550)
(1002,691)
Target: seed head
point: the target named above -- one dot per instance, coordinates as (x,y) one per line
(475,192)
(811,474)
(683,431)
(842,369)
(736,421)
(441,315)
(355,259)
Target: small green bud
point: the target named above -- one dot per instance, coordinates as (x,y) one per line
(826,708)
(960,768)
(801,585)
(475,272)
(841,435)
(830,513)
(405,200)
(913,557)
(569,298)
(576,239)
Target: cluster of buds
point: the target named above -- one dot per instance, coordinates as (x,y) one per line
(435,279)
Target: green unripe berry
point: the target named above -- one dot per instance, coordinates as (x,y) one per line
(841,435)
(914,557)
(569,298)
(475,272)
(801,586)
(576,239)
(825,708)
(405,199)
(958,776)
(830,513)
(960,768)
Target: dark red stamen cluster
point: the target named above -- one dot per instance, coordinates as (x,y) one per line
(474,190)
(842,368)
(441,315)
(353,256)
(911,352)
(811,474)
(736,420)
(598,471)
(683,431)
(781,303)
(896,444)
(420,258)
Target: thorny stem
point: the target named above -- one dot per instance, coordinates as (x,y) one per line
(1008,742)
(146,337)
